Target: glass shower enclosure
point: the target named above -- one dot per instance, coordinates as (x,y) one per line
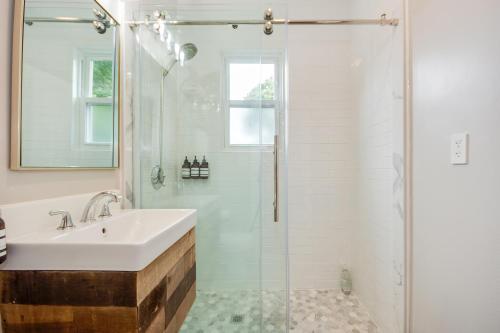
(217,94)
(215,130)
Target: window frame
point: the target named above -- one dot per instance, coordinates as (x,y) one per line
(85,98)
(252,57)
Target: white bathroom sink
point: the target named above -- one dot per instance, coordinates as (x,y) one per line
(127,241)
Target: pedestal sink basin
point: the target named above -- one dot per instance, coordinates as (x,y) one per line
(127,241)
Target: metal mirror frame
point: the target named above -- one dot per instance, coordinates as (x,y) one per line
(16,95)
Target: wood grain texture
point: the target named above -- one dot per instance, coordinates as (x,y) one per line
(189,259)
(149,277)
(151,305)
(48,318)
(158,324)
(175,276)
(180,315)
(178,296)
(68,288)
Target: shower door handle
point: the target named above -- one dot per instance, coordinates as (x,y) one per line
(276,178)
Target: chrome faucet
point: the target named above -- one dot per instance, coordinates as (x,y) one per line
(105,198)
(66,221)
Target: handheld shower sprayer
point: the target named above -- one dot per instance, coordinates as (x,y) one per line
(186,52)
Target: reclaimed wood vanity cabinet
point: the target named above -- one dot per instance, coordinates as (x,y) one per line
(153,300)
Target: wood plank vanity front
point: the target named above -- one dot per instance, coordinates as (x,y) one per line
(153,300)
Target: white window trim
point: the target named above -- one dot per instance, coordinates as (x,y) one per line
(82,90)
(249,57)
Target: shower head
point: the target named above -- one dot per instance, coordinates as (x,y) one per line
(186,52)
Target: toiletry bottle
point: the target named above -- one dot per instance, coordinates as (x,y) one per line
(204,169)
(186,169)
(346,282)
(195,169)
(3,242)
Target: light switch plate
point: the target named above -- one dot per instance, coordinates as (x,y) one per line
(459,149)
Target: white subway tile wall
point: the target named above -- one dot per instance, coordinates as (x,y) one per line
(346,146)
(378,234)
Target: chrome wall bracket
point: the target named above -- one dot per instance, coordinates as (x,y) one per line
(268,24)
(101,22)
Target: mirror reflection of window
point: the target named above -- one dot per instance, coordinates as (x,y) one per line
(96,78)
(69,100)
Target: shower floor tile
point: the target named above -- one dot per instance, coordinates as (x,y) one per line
(311,311)
(236,312)
(328,311)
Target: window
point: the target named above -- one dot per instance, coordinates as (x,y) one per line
(99,124)
(96,77)
(253,91)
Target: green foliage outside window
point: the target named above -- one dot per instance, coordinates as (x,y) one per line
(102,78)
(264,91)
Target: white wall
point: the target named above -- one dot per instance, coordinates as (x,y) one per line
(322,147)
(23,186)
(456,221)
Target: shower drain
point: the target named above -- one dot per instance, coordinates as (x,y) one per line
(237,318)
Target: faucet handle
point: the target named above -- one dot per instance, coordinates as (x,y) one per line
(66,221)
(105,212)
(112,197)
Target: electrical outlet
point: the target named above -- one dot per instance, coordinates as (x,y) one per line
(459,149)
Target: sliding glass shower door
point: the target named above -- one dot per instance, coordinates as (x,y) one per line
(216,95)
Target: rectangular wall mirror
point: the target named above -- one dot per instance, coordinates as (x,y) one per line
(65,86)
